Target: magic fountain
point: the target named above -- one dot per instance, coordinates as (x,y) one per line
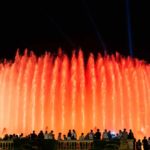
(61,93)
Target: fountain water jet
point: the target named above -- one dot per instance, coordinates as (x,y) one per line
(60,93)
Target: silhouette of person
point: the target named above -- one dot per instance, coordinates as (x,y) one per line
(130,135)
(33,135)
(97,135)
(145,143)
(139,145)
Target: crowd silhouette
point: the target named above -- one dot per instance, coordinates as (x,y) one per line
(91,135)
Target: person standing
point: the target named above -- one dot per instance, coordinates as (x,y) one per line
(98,135)
(139,145)
(145,143)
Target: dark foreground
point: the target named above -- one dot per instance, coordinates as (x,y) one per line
(26,144)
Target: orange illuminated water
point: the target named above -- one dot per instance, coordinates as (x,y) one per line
(62,93)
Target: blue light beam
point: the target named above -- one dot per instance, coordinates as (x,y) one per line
(129,27)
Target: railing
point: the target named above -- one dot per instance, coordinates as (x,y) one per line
(75,145)
(70,144)
(6,145)
(91,145)
(126,144)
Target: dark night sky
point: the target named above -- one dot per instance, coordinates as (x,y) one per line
(70,24)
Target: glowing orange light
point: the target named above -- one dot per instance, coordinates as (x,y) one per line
(59,93)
